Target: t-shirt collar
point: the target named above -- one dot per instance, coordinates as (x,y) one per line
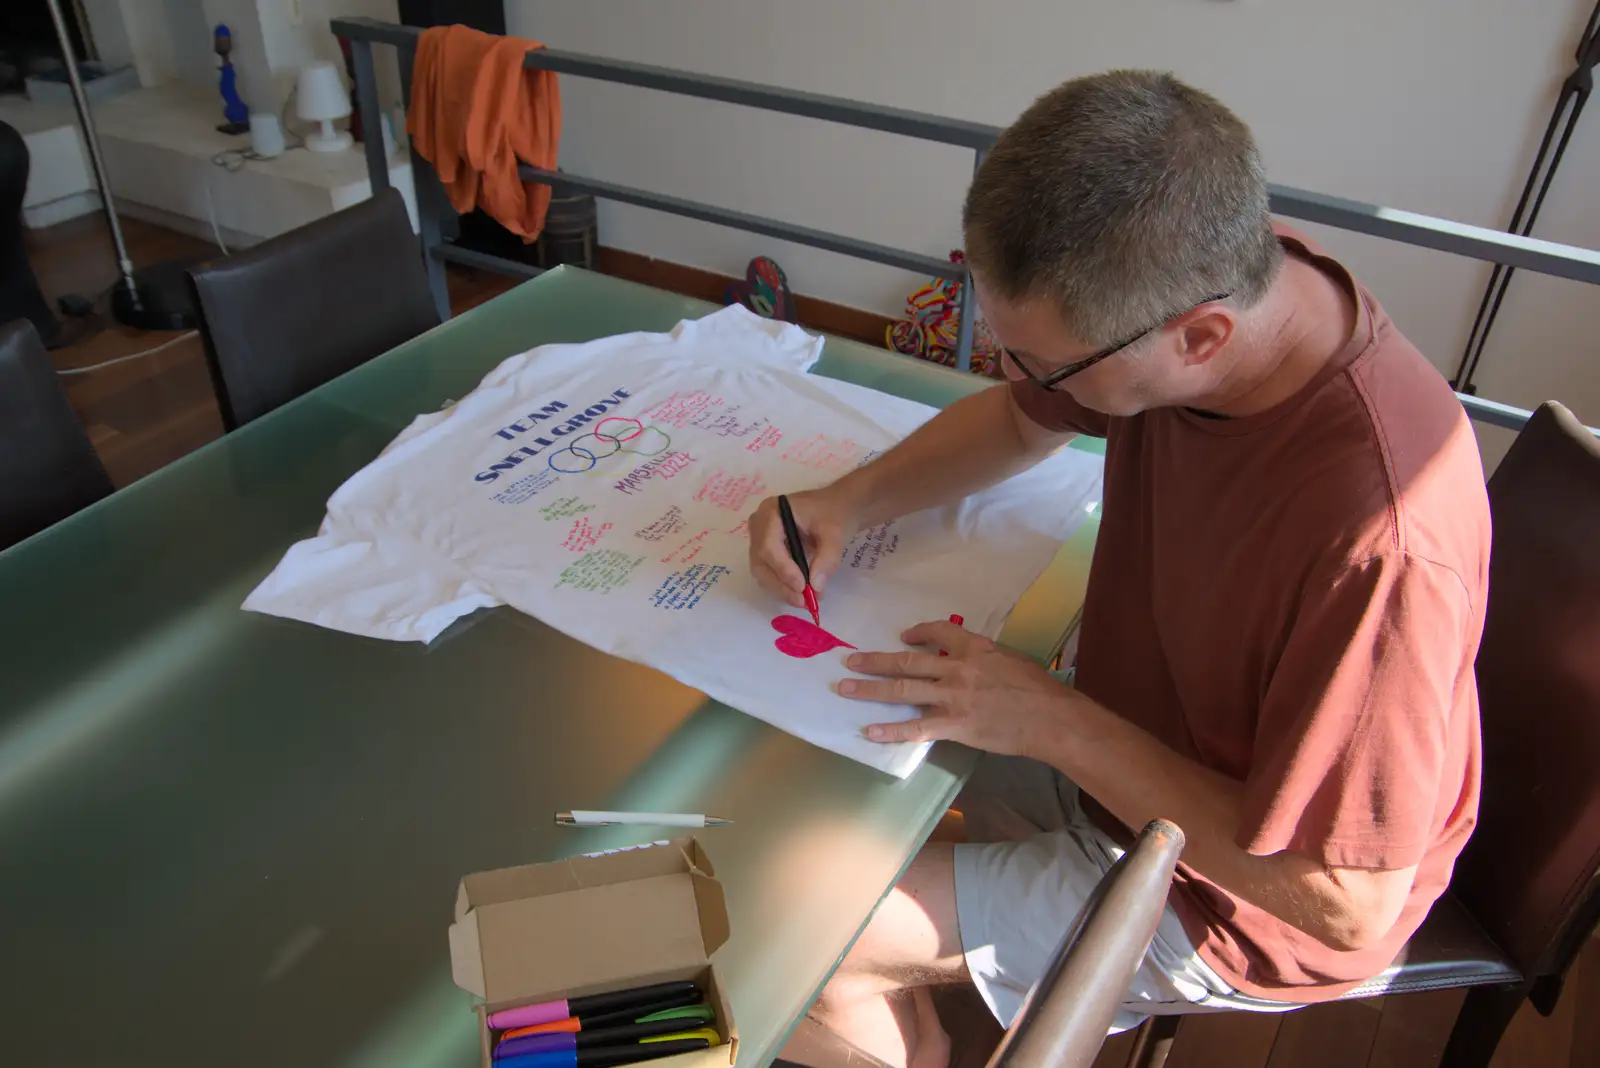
(1361,340)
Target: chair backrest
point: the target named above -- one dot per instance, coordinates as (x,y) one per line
(292,313)
(1528,875)
(1063,1021)
(48,468)
(20,297)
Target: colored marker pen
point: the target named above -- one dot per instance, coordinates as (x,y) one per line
(605,1056)
(588,1038)
(797,552)
(581,1007)
(958,621)
(680,1007)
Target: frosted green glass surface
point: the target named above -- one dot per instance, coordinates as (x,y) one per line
(231,839)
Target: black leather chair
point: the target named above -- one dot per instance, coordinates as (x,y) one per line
(1525,895)
(48,468)
(20,297)
(294,312)
(1531,874)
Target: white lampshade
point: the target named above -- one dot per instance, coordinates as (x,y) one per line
(320,97)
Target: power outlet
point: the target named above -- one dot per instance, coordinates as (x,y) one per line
(295,10)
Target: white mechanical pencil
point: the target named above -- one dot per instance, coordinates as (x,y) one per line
(591,818)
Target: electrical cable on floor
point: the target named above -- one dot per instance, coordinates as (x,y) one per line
(185,336)
(233,160)
(211,213)
(230,160)
(283,121)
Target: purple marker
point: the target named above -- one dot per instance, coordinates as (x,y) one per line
(551,1011)
(551,1043)
(605,1057)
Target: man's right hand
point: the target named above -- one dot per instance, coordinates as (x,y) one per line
(974,443)
(826,518)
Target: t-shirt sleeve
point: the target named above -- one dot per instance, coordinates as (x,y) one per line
(1351,740)
(1056,410)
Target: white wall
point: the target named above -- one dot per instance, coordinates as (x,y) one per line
(108,30)
(1430,105)
(272,40)
(295,32)
(121,36)
(167,39)
(187,33)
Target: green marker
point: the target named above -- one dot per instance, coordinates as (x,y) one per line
(703,1013)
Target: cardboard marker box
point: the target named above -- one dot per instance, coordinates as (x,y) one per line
(609,921)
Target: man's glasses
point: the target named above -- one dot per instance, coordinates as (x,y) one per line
(1061,374)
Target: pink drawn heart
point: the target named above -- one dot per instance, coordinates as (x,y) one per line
(803,639)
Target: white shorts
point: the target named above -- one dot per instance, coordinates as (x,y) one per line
(1033,860)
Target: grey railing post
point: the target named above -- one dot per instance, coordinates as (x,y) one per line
(754,224)
(371,115)
(1443,235)
(429,193)
(964,305)
(964,325)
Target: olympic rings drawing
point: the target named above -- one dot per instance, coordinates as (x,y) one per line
(582,454)
(575,459)
(638,428)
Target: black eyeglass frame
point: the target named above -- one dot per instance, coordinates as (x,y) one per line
(1061,374)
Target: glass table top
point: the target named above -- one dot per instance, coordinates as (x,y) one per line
(231,834)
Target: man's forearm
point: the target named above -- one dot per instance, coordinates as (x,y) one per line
(971,445)
(1138,779)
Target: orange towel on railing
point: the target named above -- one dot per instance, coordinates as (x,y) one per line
(475,112)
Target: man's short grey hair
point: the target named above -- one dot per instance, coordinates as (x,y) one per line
(1125,198)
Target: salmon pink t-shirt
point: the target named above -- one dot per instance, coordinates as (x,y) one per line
(1294,599)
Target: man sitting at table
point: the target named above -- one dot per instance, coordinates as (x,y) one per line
(1282,615)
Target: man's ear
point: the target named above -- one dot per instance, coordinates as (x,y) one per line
(1203,332)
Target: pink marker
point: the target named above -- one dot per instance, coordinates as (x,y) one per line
(958,621)
(551,1011)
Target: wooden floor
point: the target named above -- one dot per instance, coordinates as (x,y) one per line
(147,412)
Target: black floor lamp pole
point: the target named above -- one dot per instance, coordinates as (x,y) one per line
(1575,93)
(157,297)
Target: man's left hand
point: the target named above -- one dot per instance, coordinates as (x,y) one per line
(982,695)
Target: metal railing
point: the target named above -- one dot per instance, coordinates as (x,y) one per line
(1423,231)
(1064,1019)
